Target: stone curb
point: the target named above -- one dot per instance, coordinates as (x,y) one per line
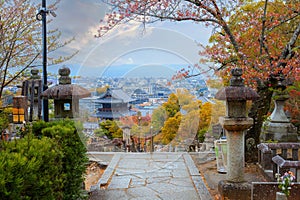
(107,173)
(196,178)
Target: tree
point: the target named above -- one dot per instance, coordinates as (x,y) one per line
(184,97)
(170,129)
(218,110)
(101,90)
(4,121)
(293,104)
(20,40)
(189,121)
(111,129)
(159,116)
(260,37)
(172,105)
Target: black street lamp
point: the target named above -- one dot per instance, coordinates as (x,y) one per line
(151,141)
(139,135)
(41,16)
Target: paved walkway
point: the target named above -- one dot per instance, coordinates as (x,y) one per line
(157,176)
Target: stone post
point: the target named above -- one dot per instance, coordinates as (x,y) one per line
(235,124)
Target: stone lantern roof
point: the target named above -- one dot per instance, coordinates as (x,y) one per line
(237,90)
(65,90)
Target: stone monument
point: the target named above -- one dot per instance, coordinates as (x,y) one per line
(66,95)
(235,123)
(278,127)
(32,89)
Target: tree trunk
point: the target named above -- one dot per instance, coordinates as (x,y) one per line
(258,111)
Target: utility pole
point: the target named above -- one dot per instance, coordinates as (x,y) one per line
(45,105)
(42,16)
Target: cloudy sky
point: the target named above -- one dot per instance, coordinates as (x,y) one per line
(161,45)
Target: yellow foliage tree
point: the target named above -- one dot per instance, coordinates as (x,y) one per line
(170,128)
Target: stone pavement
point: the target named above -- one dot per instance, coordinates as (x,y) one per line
(153,176)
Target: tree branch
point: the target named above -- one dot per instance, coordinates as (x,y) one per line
(263,27)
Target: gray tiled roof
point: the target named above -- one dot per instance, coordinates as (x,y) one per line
(116,96)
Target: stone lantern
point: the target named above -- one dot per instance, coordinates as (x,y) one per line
(235,123)
(66,95)
(19,110)
(278,127)
(32,89)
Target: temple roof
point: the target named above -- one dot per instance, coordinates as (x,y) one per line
(116,95)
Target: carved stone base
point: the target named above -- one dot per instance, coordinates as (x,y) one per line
(234,191)
(280,132)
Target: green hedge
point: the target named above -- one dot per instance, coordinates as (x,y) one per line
(48,163)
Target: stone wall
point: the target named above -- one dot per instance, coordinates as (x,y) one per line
(267,191)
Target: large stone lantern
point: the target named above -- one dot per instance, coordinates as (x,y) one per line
(235,123)
(66,95)
(278,127)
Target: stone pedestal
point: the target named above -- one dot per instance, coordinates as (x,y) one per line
(278,127)
(234,191)
(234,129)
(235,187)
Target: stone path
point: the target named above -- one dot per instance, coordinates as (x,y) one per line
(154,176)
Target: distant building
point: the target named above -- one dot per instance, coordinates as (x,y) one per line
(159,91)
(140,96)
(113,104)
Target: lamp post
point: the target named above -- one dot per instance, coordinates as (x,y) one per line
(42,16)
(139,135)
(151,147)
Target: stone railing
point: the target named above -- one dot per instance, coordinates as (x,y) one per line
(287,165)
(287,151)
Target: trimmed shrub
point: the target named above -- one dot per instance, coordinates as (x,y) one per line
(31,169)
(48,163)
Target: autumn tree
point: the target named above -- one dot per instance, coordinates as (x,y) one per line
(158,118)
(172,105)
(261,37)
(293,104)
(170,129)
(110,129)
(101,90)
(191,120)
(21,39)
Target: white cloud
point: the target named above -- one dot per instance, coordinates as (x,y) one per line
(130,43)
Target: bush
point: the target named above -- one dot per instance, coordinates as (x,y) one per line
(48,163)
(70,141)
(31,169)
